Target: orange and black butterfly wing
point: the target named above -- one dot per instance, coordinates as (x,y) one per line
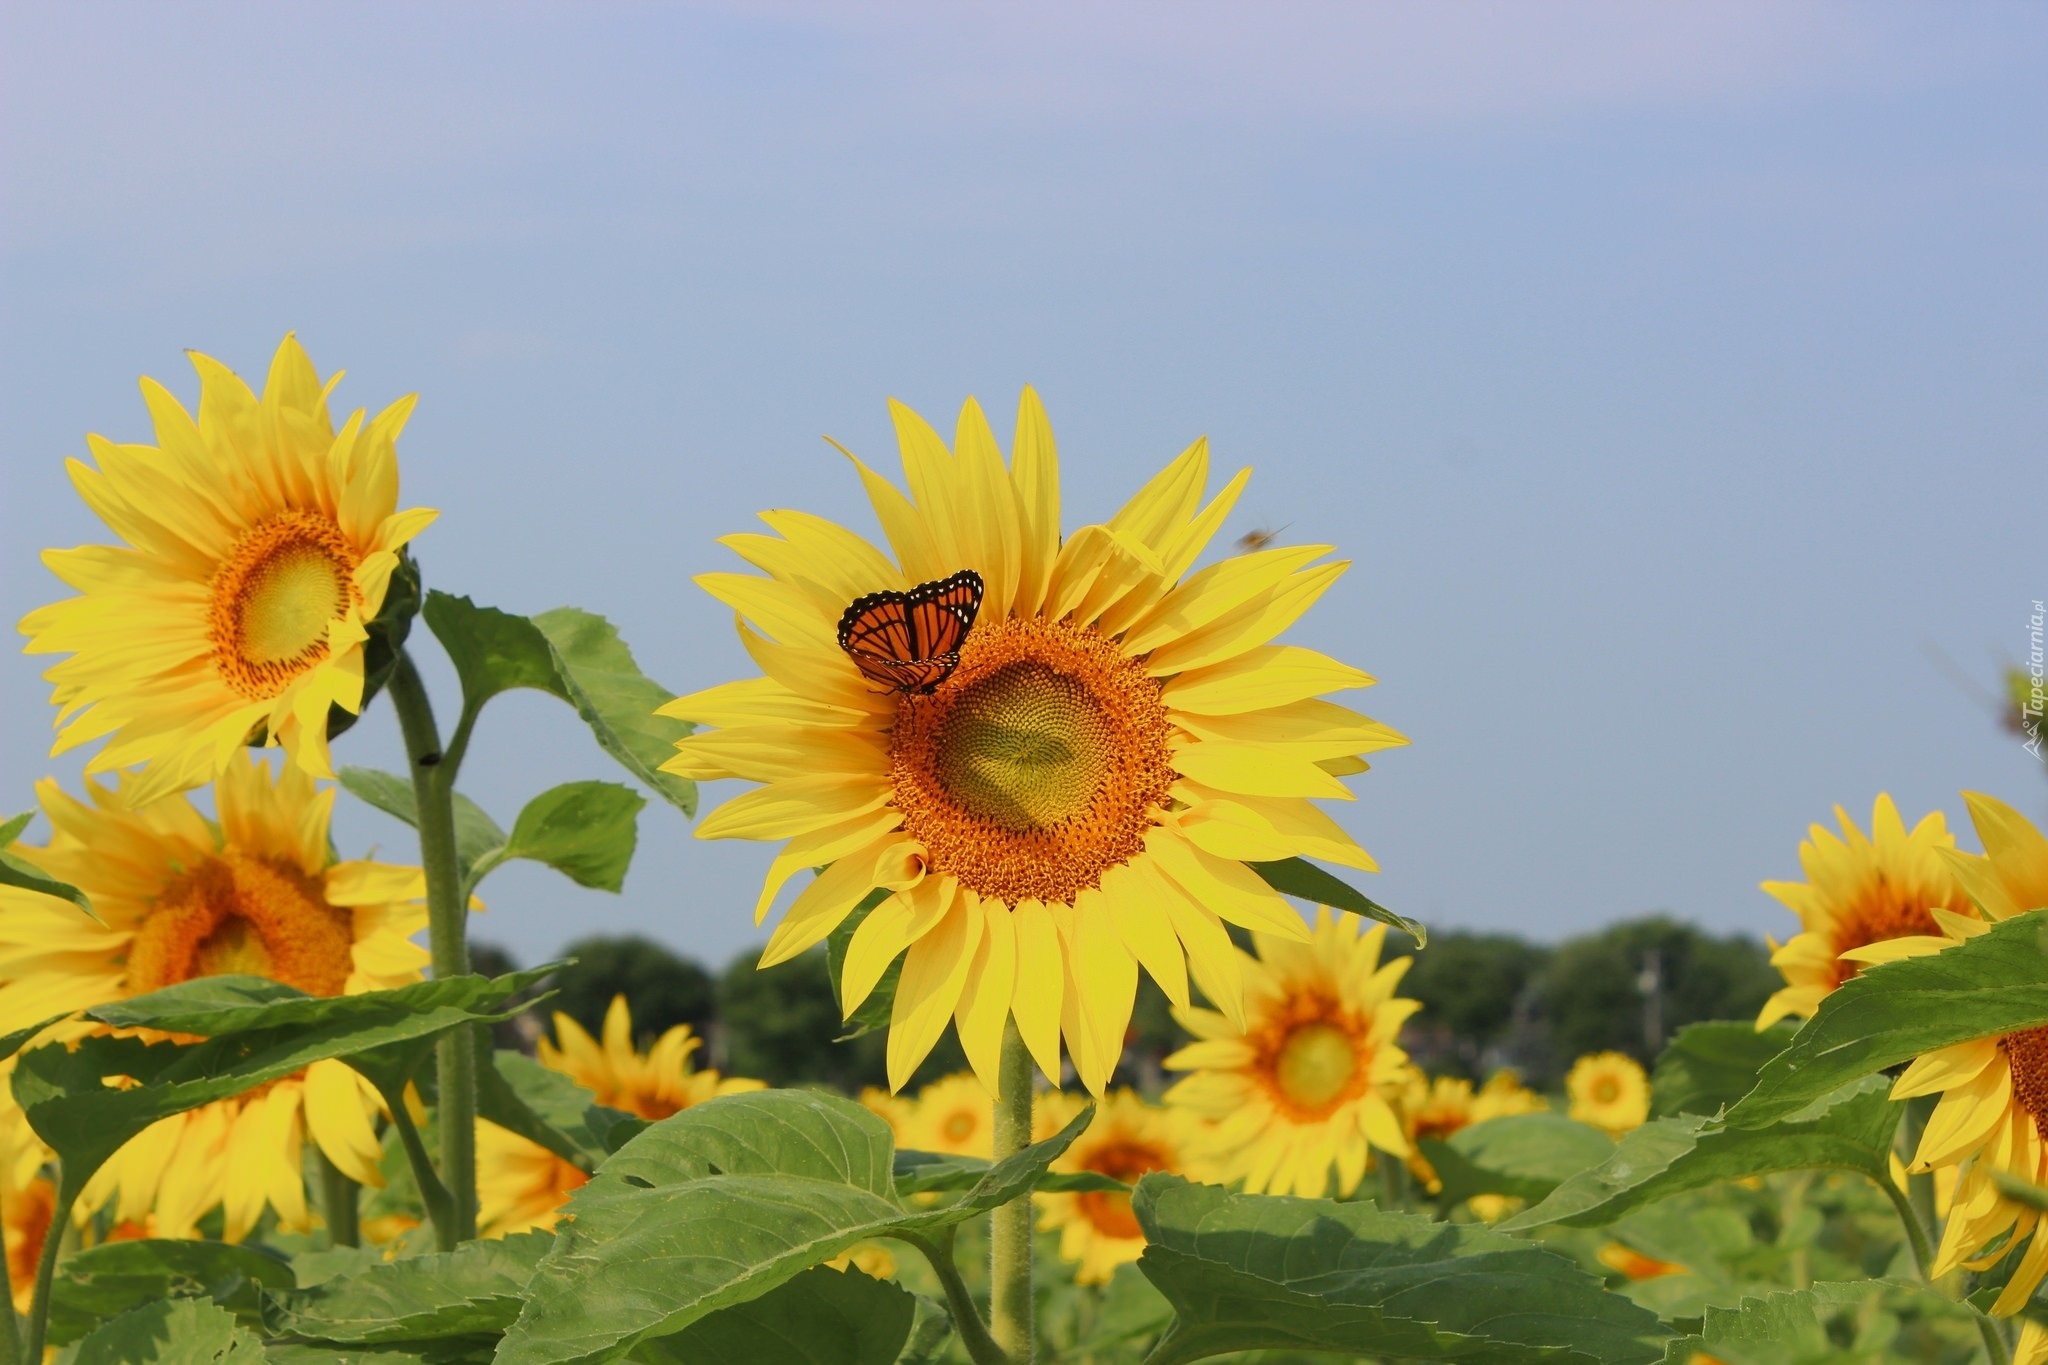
(910,641)
(942,612)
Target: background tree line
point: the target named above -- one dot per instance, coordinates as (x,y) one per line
(1490,1000)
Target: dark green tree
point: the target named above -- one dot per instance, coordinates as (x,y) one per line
(663,988)
(1609,990)
(782,1026)
(1470,986)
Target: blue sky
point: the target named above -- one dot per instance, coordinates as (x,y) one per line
(1674,376)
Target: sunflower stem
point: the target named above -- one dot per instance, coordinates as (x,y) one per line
(1916,1233)
(46,1266)
(1010,1300)
(938,1250)
(338,1203)
(433,786)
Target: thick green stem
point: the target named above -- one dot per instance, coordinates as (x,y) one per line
(1009,1233)
(1789,1207)
(433,786)
(434,1196)
(338,1203)
(1916,1232)
(981,1347)
(1995,1350)
(46,1267)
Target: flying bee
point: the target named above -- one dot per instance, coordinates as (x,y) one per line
(1259,537)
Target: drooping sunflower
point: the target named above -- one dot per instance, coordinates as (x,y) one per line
(952,1116)
(180,897)
(1127,1138)
(1311,1081)
(521,1184)
(1993,1115)
(1437,1108)
(1609,1090)
(651,1084)
(1079,796)
(258,543)
(1858,890)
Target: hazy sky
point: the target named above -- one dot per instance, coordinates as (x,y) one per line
(1674,376)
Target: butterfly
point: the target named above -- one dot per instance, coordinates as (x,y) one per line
(911,640)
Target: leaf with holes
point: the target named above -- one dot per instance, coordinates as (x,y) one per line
(172,1332)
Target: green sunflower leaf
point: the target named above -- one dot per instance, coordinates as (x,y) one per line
(1249,1272)
(1710,1066)
(944,1173)
(474,1290)
(1992,984)
(1524,1156)
(584,830)
(172,1332)
(519,1094)
(1850,1130)
(476,833)
(721,1204)
(105,1281)
(1792,1327)
(822,1317)
(18,872)
(1300,877)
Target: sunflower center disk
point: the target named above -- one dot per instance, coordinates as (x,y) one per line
(2026,1052)
(1037,766)
(238,914)
(1109,1211)
(1315,1067)
(272,600)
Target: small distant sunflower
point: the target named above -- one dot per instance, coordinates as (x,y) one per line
(1079,796)
(651,1084)
(522,1185)
(1127,1138)
(1435,1109)
(1859,891)
(952,1116)
(1311,1081)
(180,897)
(1993,1114)
(1635,1265)
(1609,1090)
(259,544)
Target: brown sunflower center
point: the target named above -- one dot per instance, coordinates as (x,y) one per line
(1605,1090)
(2026,1053)
(237,914)
(1037,766)
(1882,910)
(272,600)
(1108,1210)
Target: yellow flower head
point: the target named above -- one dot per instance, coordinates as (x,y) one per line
(952,1115)
(897,1111)
(1435,1109)
(1993,1114)
(1311,1080)
(1858,891)
(652,1084)
(522,1185)
(1079,795)
(1609,1090)
(259,542)
(1127,1138)
(179,897)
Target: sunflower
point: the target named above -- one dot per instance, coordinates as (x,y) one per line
(259,543)
(651,1084)
(1127,1138)
(1858,891)
(180,897)
(1078,796)
(896,1111)
(1635,1265)
(1435,1109)
(1610,1091)
(952,1116)
(523,1185)
(1311,1081)
(1993,1114)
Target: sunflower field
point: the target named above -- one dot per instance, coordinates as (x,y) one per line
(1008,766)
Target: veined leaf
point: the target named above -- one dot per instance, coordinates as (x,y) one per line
(1708,1067)
(1850,1130)
(722,1203)
(476,833)
(578,657)
(1525,1156)
(472,1291)
(1246,1272)
(105,1281)
(1992,984)
(873,1013)
(584,830)
(822,1317)
(20,873)
(519,1094)
(1790,1327)
(172,1332)
(1300,877)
